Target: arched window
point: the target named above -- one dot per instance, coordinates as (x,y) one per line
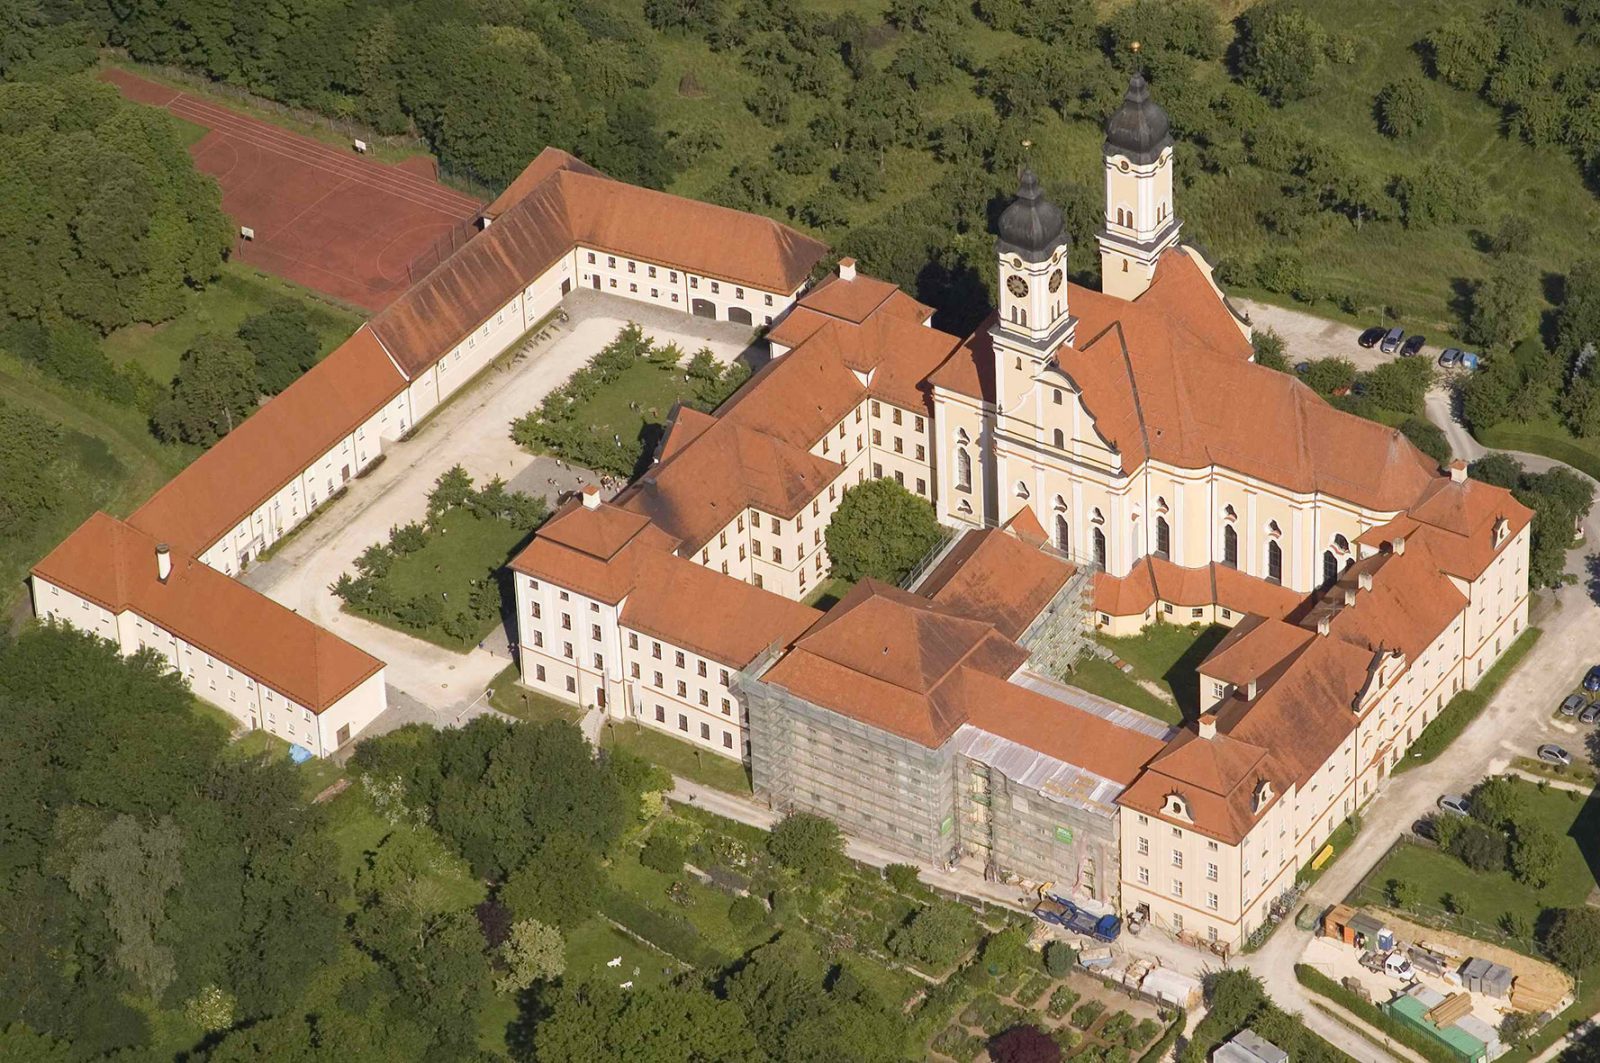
(1022,490)
(1274,563)
(1124,265)
(1013,315)
(1230,546)
(1163,538)
(1060,439)
(962,437)
(1024,319)
(1227,512)
(1330,568)
(1100,548)
(963,470)
(1055,396)
(1341,544)
(1063,534)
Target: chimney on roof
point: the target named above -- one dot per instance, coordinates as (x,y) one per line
(1324,625)
(1364,580)
(1457,470)
(847,269)
(1398,546)
(591,496)
(1206,726)
(163,561)
(1250,690)
(1349,596)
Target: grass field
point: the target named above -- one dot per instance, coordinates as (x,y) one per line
(1545,436)
(827,593)
(1101,677)
(1488,896)
(514,699)
(465,549)
(1169,655)
(220,307)
(635,405)
(113,464)
(680,758)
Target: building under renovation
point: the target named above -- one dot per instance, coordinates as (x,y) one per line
(925,720)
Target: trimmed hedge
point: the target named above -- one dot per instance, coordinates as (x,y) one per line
(1465,706)
(1371,1014)
(672,934)
(1159,1050)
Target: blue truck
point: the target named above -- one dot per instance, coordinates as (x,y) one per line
(1061,912)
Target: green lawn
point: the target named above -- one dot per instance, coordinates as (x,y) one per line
(111,463)
(1464,707)
(1101,677)
(357,829)
(827,593)
(463,550)
(680,758)
(1546,436)
(1578,773)
(1167,654)
(1491,895)
(512,698)
(592,945)
(220,307)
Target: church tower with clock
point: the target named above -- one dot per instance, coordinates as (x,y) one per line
(1034,318)
(1139,223)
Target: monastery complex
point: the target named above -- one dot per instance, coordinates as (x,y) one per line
(1103,460)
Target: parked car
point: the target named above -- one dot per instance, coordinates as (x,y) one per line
(1391,340)
(1397,966)
(1424,828)
(1553,754)
(1468,361)
(1591,714)
(1591,682)
(1572,705)
(1449,357)
(1455,803)
(1412,346)
(1371,336)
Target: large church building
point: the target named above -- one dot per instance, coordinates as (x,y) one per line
(1102,459)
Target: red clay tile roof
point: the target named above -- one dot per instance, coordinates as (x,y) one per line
(969,370)
(575,205)
(994,576)
(1254,649)
(274,445)
(702,610)
(1153,578)
(533,175)
(1167,377)
(616,556)
(113,565)
(890,659)
(1217,778)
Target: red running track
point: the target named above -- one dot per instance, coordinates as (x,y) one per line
(331,220)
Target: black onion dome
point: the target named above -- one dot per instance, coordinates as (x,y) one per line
(1032,225)
(1139,129)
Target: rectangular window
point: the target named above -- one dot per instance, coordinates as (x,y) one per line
(661,714)
(705,731)
(683,723)
(1177,858)
(678,659)
(1211,901)
(1211,872)
(1144,876)
(1144,846)
(727,736)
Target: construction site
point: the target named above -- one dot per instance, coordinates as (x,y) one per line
(1452,990)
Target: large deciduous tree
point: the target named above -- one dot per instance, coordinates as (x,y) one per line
(880,530)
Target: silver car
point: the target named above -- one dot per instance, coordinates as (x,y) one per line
(1456,803)
(1553,754)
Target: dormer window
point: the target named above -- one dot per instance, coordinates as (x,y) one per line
(1263,795)
(1502,531)
(1176,805)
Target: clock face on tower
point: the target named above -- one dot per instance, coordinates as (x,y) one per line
(1055,281)
(1017,286)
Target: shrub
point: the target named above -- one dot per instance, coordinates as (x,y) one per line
(1573,937)
(1059,958)
(1479,848)
(936,935)
(902,877)
(808,844)
(663,853)
(1024,1044)
(746,912)
(1062,1001)
(1085,1014)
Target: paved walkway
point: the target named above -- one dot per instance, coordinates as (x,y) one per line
(473,430)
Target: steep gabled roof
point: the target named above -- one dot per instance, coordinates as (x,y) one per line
(1217,779)
(271,447)
(113,564)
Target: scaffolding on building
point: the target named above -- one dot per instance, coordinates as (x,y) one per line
(1062,633)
